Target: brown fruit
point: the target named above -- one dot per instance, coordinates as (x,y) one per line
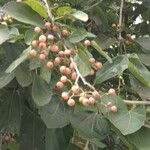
(112,92)
(59,85)
(65,95)
(42,38)
(33,53)
(75,89)
(114,109)
(71,102)
(87,43)
(50,64)
(37,29)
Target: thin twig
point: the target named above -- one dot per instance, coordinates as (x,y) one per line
(81,77)
(86,146)
(120,17)
(49,11)
(130,102)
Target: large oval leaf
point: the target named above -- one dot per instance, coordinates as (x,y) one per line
(18,61)
(120,63)
(6,78)
(37,6)
(55,114)
(126,121)
(41,92)
(139,70)
(4,33)
(101,52)
(81,15)
(23,13)
(23,75)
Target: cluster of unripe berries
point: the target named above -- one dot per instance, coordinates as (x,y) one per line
(7,137)
(76,94)
(109,105)
(5,20)
(49,48)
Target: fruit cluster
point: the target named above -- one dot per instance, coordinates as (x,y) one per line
(7,137)
(49,48)
(5,20)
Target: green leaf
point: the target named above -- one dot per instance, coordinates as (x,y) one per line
(79,35)
(142,91)
(37,6)
(80,15)
(72,146)
(32,132)
(6,78)
(144,42)
(10,146)
(120,63)
(90,124)
(41,92)
(18,61)
(30,35)
(64,10)
(34,63)
(139,70)
(126,121)
(55,114)
(145,59)
(23,75)
(23,13)
(45,73)
(58,139)
(141,139)
(99,16)
(101,52)
(4,33)
(11,111)
(83,64)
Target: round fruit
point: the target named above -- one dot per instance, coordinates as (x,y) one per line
(92,100)
(71,102)
(95,94)
(42,38)
(59,85)
(65,33)
(74,76)
(65,95)
(50,37)
(109,104)
(33,53)
(42,57)
(37,29)
(67,52)
(67,71)
(48,25)
(34,43)
(50,64)
(92,72)
(42,45)
(44,52)
(54,48)
(72,65)
(75,89)
(62,69)
(81,99)
(98,65)
(57,60)
(92,60)
(61,53)
(63,79)
(87,43)
(85,102)
(114,109)
(112,92)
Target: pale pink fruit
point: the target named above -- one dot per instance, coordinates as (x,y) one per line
(37,29)
(65,95)
(50,64)
(71,102)
(33,53)
(42,38)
